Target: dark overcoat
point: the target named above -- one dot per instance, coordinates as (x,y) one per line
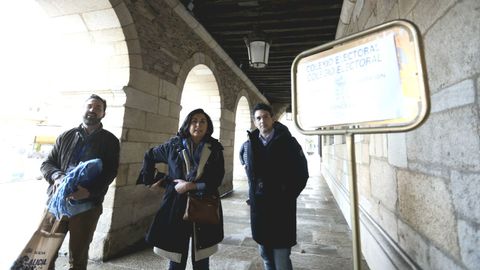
(277,173)
(168,230)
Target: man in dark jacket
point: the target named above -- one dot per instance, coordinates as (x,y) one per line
(85,142)
(277,172)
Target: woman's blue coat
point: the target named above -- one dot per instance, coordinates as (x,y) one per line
(168,230)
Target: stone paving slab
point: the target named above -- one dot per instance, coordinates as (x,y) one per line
(324,238)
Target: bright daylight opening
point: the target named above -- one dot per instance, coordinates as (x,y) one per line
(242,124)
(201,91)
(48,67)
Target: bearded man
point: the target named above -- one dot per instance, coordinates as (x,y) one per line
(86,142)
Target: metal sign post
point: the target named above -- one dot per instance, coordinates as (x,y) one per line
(354,216)
(370,82)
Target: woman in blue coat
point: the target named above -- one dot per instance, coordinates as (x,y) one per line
(195,164)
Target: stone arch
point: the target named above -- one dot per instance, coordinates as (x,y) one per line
(223,118)
(93,57)
(199,88)
(98,31)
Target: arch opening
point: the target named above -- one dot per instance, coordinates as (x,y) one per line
(242,124)
(201,91)
(53,57)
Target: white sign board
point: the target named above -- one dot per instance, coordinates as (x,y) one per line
(360,82)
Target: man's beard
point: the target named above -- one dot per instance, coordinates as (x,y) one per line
(91,121)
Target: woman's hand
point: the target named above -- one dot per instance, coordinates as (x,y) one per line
(183,186)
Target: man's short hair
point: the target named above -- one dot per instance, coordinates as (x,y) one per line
(262,106)
(97,97)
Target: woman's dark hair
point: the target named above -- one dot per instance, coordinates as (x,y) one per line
(184,131)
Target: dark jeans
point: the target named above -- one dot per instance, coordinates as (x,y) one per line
(276,258)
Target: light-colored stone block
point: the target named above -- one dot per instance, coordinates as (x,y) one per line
(130,31)
(435,170)
(171,91)
(228,115)
(132,152)
(347,11)
(363,180)
(122,174)
(457,95)
(466,193)
(135,135)
(378,145)
(362,153)
(124,15)
(134,118)
(133,172)
(383,9)
(175,110)
(134,46)
(460,60)
(397,150)
(469,237)
(478,92)
(140,100)
(103,225)
(394,13)
(383,183)
(425,203)
(164,107)
(388,221)
(144,81)
(435,10)
(406,6)
(101,19)
(95,251)
(55,9)
(413,244)
(108,35)
(162,124)
(120,48)
(367,11)
(447,138)
(135,61)
(439,261)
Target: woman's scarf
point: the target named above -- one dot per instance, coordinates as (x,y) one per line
(191,156)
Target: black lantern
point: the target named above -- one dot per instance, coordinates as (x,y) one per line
(258,47)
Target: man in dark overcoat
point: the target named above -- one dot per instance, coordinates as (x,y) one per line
(277,172)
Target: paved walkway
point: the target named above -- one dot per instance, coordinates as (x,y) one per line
(323,237)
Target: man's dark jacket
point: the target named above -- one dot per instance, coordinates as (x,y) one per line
(277,173)
(100,144)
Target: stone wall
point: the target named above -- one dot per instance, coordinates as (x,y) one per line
(168,42)
(155,44)
(419,190)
